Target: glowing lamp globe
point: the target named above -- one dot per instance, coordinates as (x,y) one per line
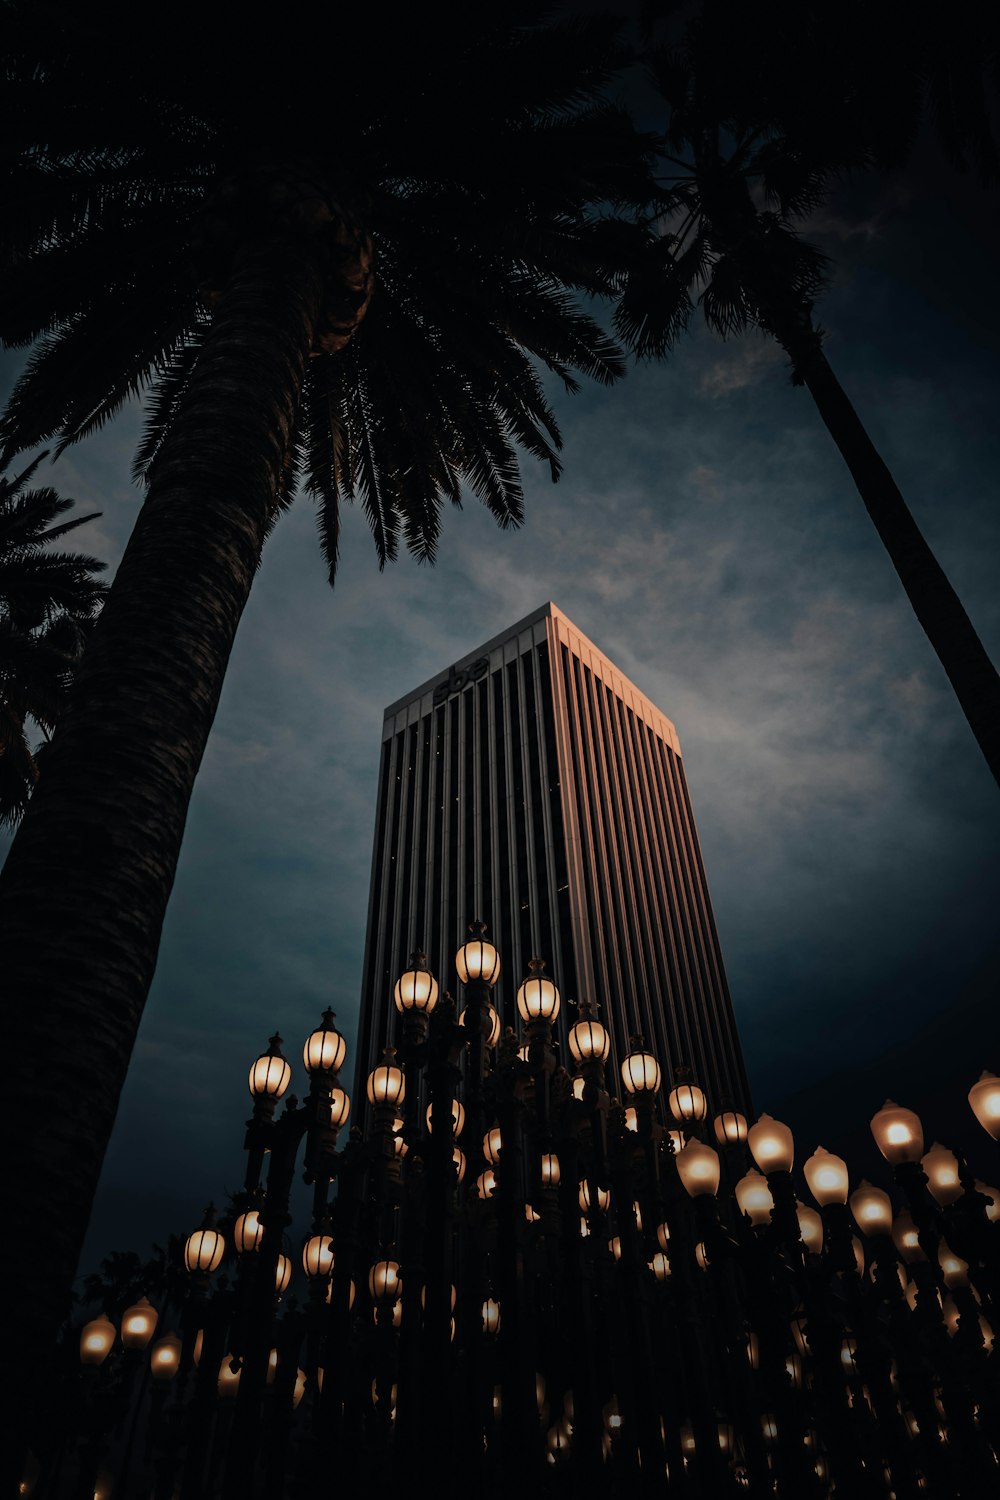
(491,1315)
(537,998)
(96,1340)
(271,1073)
(386,1084)
(457,1117)
(317,1256)
(493,1035)
(340,1106)
(984,1097)
(771,1145)
(754,1198)
(550,1169)
(941,1167)
(872,1209)
(229,1379)
(660,1265)
(282,1274)
(384,1282)
(588,1039)
(203,1250)
(325,1048)
(640,1070)
(954,1269)
(730,1128)
(492,1145)
(687,1103)
(248,1232)
(906,1238)
(139,1324)
(477,961)
(898,1133)
(827,1177)
(416,988)
(810,1228)
(699,1169)
(165,1358)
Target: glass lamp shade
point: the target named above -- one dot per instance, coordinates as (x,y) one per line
(325,1048)
(384,1282)
(640,1070)
(550,1169)
(271,1073)
(248,1232)
(165,1358)
(299,1389)
(537,998)
(941,1167)
(588,1039)
(663,1235)
(730,1128)
(810,1228)
(615,1246)
(898,1133)
(754,1197)
(676,1139)
(317,1255)
(96,1340)
(229,1379)
(699,1169)
(386,1084)
(905,1237)
(457,1117)
(660,1265)
(486,1183)
(494,1032)
(701,1256)
(139,1324)
(984,1097)
(492,1145)
(491,1315)
(687,1103)
(458,1157)
(477,961)
(872,1209)
(204,1250)
(827,1177)
(282,1274)
(603,1197)
(398,1139)
(340,1106)
(771,1145)
(352,1292)
(416,988)
(954,1269)
(579,1086)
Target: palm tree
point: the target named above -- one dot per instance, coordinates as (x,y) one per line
(47,602)
(330,254)
(763,119)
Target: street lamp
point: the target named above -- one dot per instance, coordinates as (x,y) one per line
(984,1097)
(640,1070)
(941,1167)
(386,1084)
(416,989)
(204,1249)
(537,997)
(139,1324)
(699,1169)
(898,1134)
(271,1074)
(827,1177)
(325,1048)
(96,1340)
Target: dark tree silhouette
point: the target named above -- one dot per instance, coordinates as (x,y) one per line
(333,250)
(47,602)
(766,112)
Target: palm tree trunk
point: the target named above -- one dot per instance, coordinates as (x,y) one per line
(935,603)
(85,887)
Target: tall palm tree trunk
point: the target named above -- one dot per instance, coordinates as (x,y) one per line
(85,887)
(935,603)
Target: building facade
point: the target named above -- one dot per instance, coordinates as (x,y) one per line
(532,785)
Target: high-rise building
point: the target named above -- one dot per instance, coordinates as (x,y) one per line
(532,785)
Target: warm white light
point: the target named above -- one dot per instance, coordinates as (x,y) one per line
(810,1228)
(491,1315)
(270,1074)
(898,1133)
(754,1197)
(478,960)
(537,998)
(325,1048)
(941,1167)
(872,1209)
(96,1339)
(984,1097)
(603,1197)
(687,1103)
(139,1324)
(771,1145)
(550,1170)
(340,1106)
(493,1035)
(229,1379)
(204,1250)
(640,1070)
(486,1183)
(730,1128)
(416,989)
(457,1117)
(492,1145)
(248,1232)
(317,1256)
(282,1274)
(384,1282)
(165,1357)
(827,1177)
(660,1265)
(386,1084)
(699,1169)
(588,1039)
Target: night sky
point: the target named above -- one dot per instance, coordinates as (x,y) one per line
(707,537)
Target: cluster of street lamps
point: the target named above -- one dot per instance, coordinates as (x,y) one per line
(539,1285)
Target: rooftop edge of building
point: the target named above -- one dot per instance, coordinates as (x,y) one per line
(547,611)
